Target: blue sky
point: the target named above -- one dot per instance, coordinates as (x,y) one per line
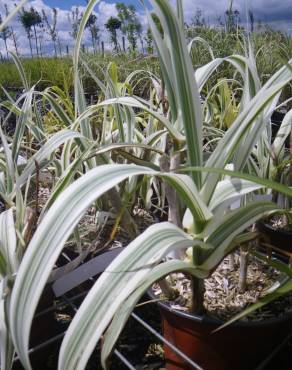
(277,13)
(66,4)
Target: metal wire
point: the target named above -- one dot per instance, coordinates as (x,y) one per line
(124,360)
(43,345)
(268,359)
(71,302)
(116,352)
(166,342)
(155,333)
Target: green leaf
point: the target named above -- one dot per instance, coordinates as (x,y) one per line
(204,42)
(138,103)
(57,108)
(276,264)
(3,264)
(20,69)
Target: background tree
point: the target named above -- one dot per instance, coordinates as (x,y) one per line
(26,20)
(30,19)
(132,36)
(149,37)
(123,16)
(130,26)
(139,30)
(36,22)
(12,32)
(198,20)
(231,19)
(74,18)
(4,35)
(251,19)
(112,25)
(52,27)
(94,31)
(149,41)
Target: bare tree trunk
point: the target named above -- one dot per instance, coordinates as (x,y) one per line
(36,40)
(6,48)
(14,42)
(124,44)
(142,44)
(60,48)
(30,46)
(102,48)
(41,48)
(93,43)
(55,49)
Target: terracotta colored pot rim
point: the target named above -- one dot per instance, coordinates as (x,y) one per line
(204,319)
(268,226)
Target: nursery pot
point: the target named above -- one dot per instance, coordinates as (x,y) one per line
(240,346)
(281,239)
(44,327)
(276,119)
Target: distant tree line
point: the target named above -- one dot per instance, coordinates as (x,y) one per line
(125,30)
(41,27)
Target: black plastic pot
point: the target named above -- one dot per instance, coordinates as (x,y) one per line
(276,119)
(240,346)
(67,277)
(281,239)
(44,327)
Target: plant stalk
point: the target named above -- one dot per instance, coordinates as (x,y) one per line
(243,268)
(197,286)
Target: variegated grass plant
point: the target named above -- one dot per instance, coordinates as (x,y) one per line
(205,189)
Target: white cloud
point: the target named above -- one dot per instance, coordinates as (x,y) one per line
(277,13)
(103,11)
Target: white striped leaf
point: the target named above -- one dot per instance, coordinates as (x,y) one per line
(45,151)
(182,80)
(55,228)
(124,275)
(220,232)
(232,139)
(283,133)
